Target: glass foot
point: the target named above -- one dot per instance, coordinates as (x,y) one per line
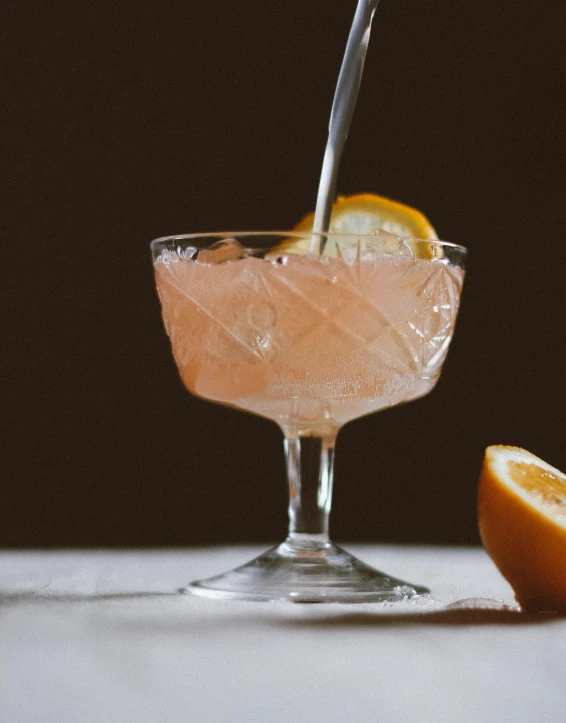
(312,573)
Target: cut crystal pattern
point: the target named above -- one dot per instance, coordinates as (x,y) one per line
(342,338)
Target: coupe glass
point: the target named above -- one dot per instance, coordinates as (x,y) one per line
(310,332)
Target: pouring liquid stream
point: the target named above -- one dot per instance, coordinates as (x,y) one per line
(343,106)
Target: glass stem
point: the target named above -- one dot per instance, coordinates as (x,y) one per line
(310,467)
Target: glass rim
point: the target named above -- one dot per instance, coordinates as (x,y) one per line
(163,240)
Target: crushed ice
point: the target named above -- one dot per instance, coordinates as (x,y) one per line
(168,257)
(404,591)
(369,248)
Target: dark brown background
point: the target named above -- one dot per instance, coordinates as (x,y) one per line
(138,118)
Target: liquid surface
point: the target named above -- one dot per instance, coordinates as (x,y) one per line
(309,343)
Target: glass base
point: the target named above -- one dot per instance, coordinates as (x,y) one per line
(306,573)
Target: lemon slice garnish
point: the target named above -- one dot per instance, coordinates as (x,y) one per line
(367,213)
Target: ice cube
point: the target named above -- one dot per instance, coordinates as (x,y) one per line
(225,250)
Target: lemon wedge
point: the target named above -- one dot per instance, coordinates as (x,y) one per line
(522,521)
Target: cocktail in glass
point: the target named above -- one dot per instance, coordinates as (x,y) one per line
(310,340)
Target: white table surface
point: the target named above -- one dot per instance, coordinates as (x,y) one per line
(89,636)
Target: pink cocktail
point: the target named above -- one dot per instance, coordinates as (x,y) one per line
(310,342)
